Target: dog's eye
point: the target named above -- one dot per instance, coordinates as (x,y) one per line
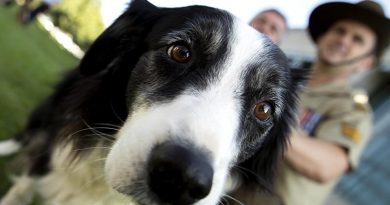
(263,111)
(179,53)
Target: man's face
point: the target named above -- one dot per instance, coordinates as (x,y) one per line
(271,24)
(344,41)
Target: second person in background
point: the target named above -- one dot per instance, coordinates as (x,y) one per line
(270,22)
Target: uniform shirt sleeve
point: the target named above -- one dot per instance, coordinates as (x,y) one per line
(351,130)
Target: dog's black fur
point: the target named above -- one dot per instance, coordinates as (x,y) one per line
(100,93)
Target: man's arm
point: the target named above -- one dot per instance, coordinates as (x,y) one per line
(316,159)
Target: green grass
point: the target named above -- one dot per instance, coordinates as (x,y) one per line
(31,62)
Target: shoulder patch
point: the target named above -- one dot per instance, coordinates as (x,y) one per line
(351,132)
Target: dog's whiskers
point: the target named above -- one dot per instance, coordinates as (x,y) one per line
(224,200)
(92,148)
(102,127)
(93,180)
(140,192)
(89,162)
(241,170)
(260,180)
(246,171)
(106,137)
(95,133)
(100,159)
(78,131)
(221,201)
(116,114)
(234,199)
(109,125)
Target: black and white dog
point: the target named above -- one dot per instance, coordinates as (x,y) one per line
(169,106)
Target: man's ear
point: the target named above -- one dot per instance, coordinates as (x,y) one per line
(126,33)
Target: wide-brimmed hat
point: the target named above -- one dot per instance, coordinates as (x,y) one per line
(367,12)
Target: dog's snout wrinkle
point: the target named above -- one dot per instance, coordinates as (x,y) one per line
(179,174)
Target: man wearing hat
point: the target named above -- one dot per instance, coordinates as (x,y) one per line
(334,124)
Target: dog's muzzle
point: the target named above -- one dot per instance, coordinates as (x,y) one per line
(179,174)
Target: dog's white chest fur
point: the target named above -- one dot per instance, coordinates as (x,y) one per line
(79,183)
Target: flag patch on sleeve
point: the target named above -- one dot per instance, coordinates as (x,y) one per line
(309,121)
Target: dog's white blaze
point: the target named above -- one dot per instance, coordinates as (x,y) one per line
(209,119)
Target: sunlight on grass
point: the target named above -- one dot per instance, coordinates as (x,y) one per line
(31,62)
(62,38)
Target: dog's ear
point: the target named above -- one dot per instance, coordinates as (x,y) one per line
(141,5)
(125,34)
(300,77)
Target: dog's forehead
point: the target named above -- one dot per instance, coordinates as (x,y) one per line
(228,54)
(217,32)
(252,57)
(193,23)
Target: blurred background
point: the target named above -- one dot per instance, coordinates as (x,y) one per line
(34,55)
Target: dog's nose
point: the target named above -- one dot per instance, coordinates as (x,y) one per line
(178,174)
